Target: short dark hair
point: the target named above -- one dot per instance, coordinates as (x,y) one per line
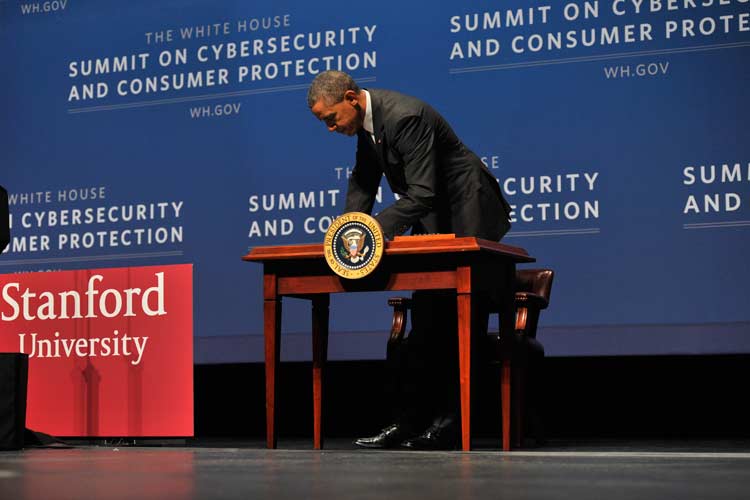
(330,86)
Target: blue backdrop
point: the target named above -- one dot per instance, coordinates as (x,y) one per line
(178,131)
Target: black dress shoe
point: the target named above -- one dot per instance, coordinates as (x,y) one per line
(441,435)
(390,437)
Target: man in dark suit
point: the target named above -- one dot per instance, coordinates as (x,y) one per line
(443,187)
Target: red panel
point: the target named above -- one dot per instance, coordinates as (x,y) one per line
(126,375)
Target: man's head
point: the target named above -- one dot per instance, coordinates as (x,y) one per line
(336,99)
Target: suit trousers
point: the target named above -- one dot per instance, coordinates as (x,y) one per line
(423,381)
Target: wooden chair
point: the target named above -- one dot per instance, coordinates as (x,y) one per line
(518,353)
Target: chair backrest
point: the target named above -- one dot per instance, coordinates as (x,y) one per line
(536,281)
(533,287)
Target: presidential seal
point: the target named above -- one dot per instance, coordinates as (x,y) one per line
(354,245)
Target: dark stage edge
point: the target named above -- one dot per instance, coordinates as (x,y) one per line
(244,469)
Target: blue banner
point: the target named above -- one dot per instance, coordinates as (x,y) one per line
(178,132)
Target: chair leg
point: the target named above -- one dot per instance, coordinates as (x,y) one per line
(517,402)
(519,380)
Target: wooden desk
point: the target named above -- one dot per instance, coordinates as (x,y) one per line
(470,266)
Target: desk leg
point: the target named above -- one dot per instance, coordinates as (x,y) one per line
(320,308)
(505,378)
(510,408)
(272,334)
(464,367)
(463,294)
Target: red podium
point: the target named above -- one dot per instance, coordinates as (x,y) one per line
(471,266)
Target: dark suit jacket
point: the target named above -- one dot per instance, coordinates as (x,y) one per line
(443,186)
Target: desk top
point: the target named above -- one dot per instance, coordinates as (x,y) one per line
(404,245)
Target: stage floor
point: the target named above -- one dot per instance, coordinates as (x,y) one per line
(241,469)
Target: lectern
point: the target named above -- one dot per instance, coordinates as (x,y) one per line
(470,266)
